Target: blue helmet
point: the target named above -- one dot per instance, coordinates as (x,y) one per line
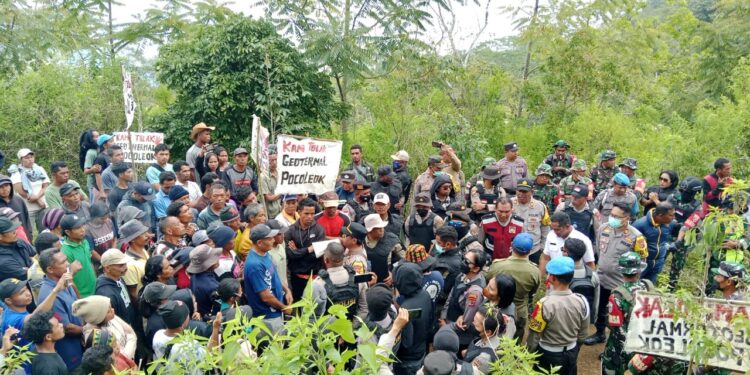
(522,243)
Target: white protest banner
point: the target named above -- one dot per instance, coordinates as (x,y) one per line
(143,146)
(653,330)
(307,165)
(259,146)
(127,93)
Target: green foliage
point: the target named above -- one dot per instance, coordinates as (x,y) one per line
(225,72)
(516,359)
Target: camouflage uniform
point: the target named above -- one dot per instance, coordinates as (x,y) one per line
(683,211)
(567,183)
(547,194)
(614,358)
(566,161)
(600,175)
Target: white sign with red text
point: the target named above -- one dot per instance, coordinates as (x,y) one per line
(307,165)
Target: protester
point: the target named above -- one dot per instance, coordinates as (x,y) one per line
(111,285)
(77,249)
(98,314)
(203,280)
(60,177)
(161,164)
(299,250)
(239,174)
(201,134)
(99,230)
(30,182)
(268,198)
(44,330)
(9,199)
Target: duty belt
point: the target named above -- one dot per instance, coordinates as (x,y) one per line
(557,349)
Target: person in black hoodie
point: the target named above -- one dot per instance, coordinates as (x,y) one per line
(8,198)
(449,260)
(408,281)
(443,194)
(299,251)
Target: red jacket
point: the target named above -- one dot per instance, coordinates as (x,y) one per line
(498,238)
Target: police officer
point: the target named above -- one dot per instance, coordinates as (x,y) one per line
(560,161)
(389,184)
(512,168)
(485,194)
(602,174)
(579,210)
(423,223)
(615,237)
(535,217)
(628,166)
(361,205)
(335,284)
(619,192)
(477,178)
(685,206)
(620,305)
(543,189)
(424,181)
(578,177)
(560,320)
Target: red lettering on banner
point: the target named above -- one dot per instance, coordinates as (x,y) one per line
(291,147)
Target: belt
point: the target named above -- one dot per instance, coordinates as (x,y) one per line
(305,276)
(558,349)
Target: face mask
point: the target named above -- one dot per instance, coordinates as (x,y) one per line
(438,173)
(438,249)
(396,165)
(422,212)
(366,198)
(465,268)
(614,222)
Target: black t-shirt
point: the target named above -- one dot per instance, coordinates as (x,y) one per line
(115,197)
(48,364)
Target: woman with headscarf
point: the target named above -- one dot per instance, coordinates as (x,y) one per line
(668,182)
(87,152)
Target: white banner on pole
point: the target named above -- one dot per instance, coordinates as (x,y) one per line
(307,165)
(654,330)
(127,93)
(259,144)
(143,146)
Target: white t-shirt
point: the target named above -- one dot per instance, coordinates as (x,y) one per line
(187,354)
(194,191)
(554,244)
(36,186)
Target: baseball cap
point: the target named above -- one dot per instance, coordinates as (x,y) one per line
(23,152)
(423,199)
(524,185)
(154,292)
(361,185)
(202,258)
(401,155)
(439,362)
(434,159)
(729,270)
(174,313)
(98,209)
(240,151)
(373,221)
(348,176)
(512,146)
(580,190)
(68,188)
(72,222)
(9,213)
(6,225)
(275,224)
(103,138)
(145,190)
(262,231)
(561,265)
(198,128)
(221,234)
(199,237)
(290,197)
(381,198)
(9,287)
(355,230)
(385,170)
(113,256)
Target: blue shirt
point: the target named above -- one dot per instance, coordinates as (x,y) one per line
(161,202)
(69,347)
(344,195)
(260,275)
(152,174)
(656,235)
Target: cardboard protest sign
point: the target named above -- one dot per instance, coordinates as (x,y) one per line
(654,330)
(127,93)
(143,146)
(307,165)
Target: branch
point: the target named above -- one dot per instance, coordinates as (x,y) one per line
(479,33)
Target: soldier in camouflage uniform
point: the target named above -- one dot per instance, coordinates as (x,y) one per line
(602,174)
(560,161)
(614,358)
(685,205)
(577,178)
(544,190)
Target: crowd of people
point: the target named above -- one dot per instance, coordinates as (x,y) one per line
(102,277)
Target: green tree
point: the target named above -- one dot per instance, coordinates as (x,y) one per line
(222,74)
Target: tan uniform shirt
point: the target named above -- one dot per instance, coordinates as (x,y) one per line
(512,171)
(611,243)
(535,220)
(560,319)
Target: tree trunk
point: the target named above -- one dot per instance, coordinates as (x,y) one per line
(111,36)
(526,65)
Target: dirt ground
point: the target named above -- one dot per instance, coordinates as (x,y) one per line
(588,358)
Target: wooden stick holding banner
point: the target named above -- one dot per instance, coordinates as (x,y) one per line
(259,153)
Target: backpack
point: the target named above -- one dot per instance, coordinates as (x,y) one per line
(345,294)
(585,287)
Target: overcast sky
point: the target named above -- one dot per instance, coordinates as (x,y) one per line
(469,18)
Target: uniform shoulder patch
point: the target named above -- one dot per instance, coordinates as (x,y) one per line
(537,322)
(489,218)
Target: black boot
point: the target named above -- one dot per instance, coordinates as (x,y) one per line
(596,338)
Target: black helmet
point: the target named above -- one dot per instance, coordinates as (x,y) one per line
(690,185)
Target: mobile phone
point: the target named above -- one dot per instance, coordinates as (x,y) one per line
(437,144)
(415,314)
(364,278)
(14,337)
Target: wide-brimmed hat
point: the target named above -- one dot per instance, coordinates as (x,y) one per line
(131,230)
(198,128)
(202,258)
